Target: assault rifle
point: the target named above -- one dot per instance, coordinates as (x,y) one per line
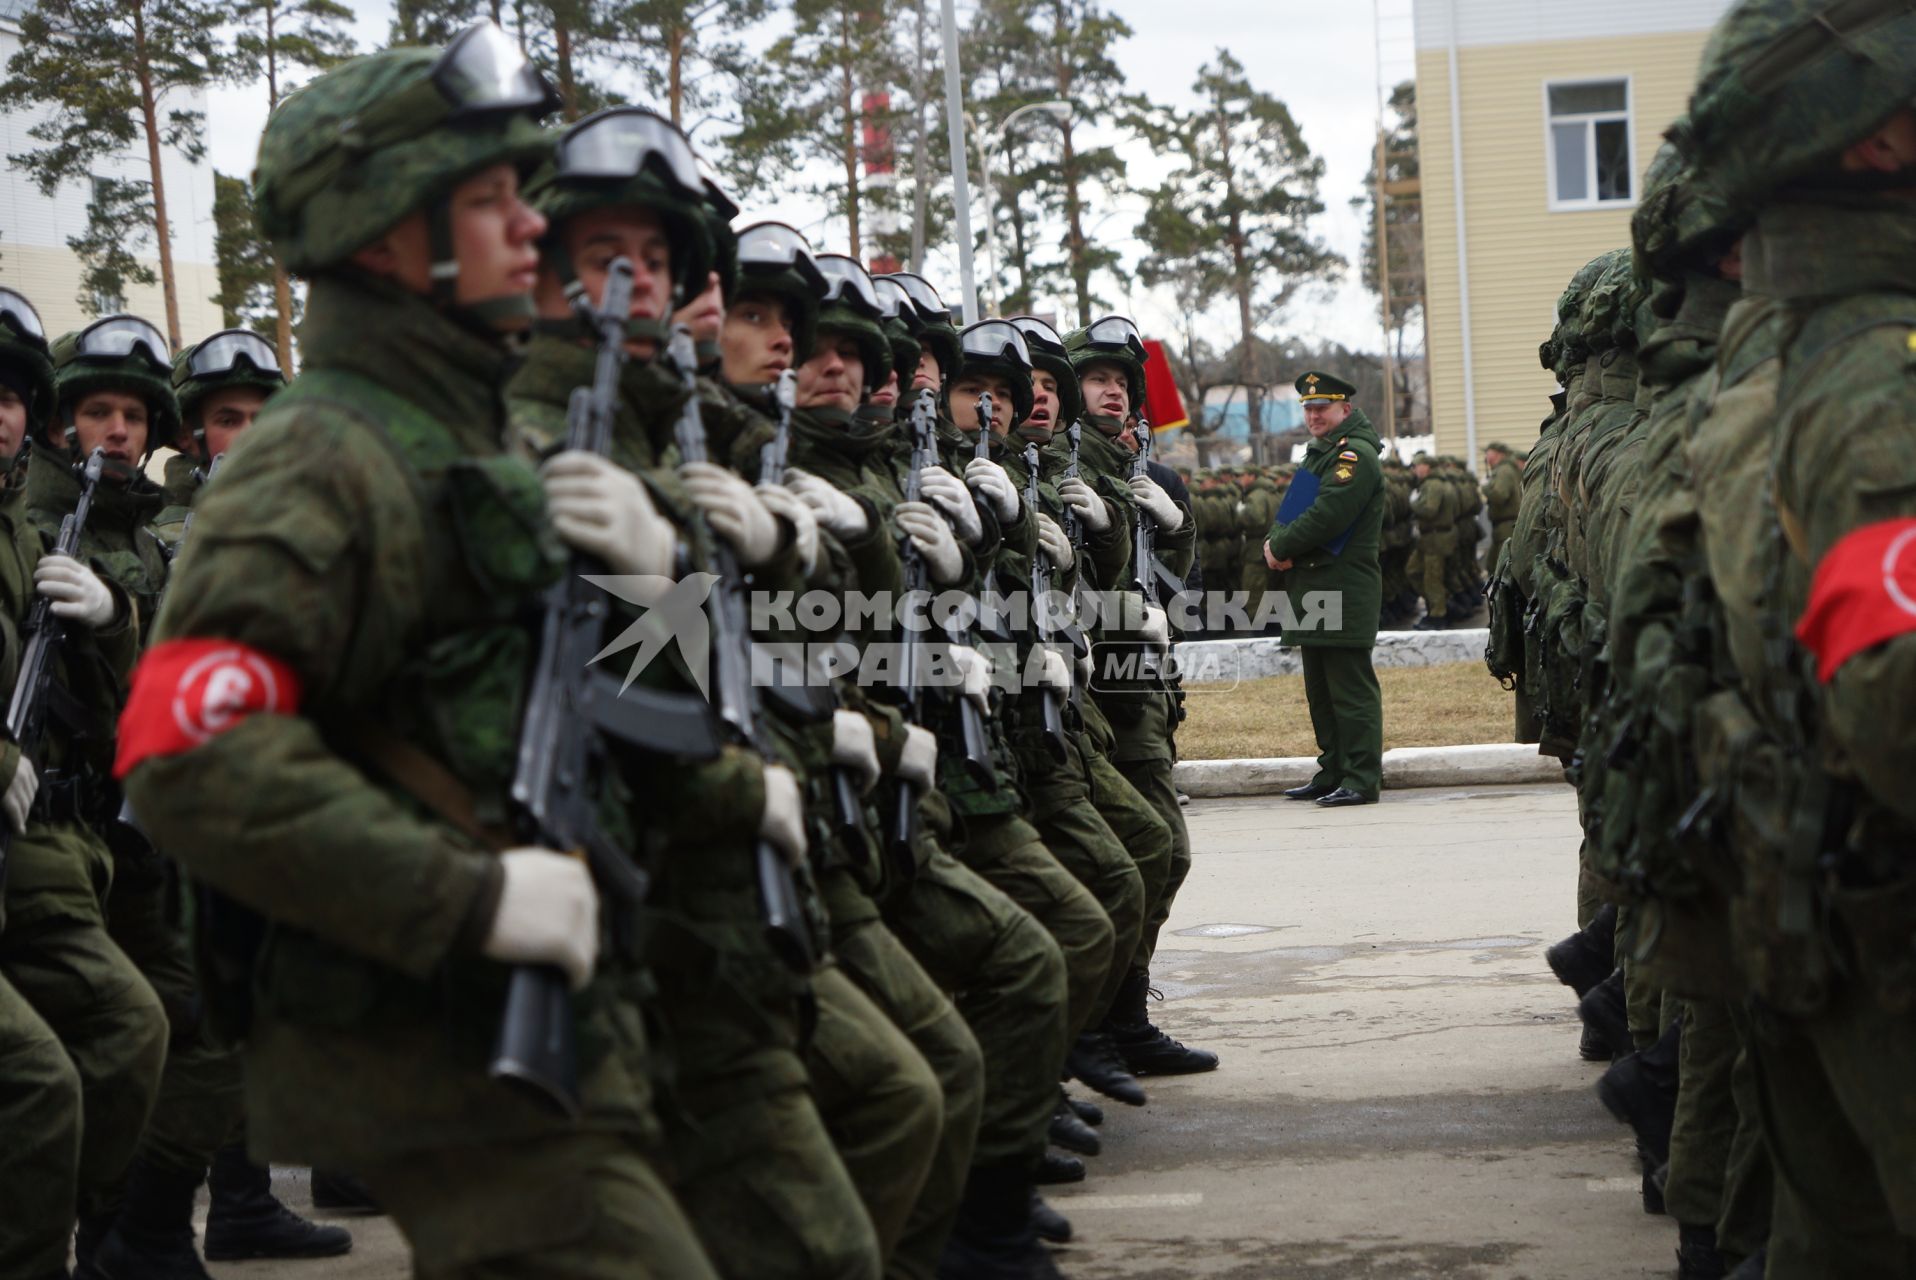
(1052,714)
(34,692)
(1151,574)
(738,698)
(571,709)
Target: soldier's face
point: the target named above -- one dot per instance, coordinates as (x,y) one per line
(755,342)
(1321,417)
(928,376)
(13,422)
(493,240)
(1105,390)
(1422,470)
(1044,402)
(1491,459)
(110,420)
(834,378)
(964,402)
(887,394)
(596,239)
(704,314)
(224,414)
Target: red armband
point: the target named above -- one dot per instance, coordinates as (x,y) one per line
(187,691)
(1864,593)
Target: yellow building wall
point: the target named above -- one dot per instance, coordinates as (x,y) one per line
(50,279)
(1521,253)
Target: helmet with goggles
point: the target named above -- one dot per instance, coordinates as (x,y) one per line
(1113,339)
(938,333)
(775,260)
(899,320)
(996,348)
(25,365)
(229,359)
(851,308)
(124,354)
(1048,354)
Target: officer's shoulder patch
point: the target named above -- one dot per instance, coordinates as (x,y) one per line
(1343,473)
(1349,455)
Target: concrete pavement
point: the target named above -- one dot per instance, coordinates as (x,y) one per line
(1400,1095)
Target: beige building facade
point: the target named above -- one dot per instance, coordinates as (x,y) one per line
(1536,121)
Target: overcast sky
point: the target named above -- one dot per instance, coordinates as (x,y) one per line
(1319,58)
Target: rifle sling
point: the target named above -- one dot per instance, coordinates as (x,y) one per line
(426,780)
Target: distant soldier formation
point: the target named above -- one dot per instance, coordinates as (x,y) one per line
(1706,604)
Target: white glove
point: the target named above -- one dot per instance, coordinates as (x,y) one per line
(1151,496)
(783,822)
(1090,507)
(948,493)
(781,501)
(1084,667)
(19,795)
(1156,627)
(1052,542)
(988,478)
(600,508)
(1054,672)
(548,914)
(733,510)
(838,513)
(854,748)
(974,671)
(932,536)
(77,593)
(918,761)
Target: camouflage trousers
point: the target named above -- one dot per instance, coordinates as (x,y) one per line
(1151,779)
(82,1038)
(1429,560)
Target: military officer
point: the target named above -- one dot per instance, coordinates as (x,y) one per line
(1328,552)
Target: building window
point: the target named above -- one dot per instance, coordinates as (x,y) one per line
(1590,148)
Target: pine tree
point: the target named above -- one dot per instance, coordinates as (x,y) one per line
(245,264)
(276,39)
(688,52)
(1233,220)
(107,73)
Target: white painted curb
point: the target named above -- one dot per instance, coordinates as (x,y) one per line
(1254,658)
(1484,764)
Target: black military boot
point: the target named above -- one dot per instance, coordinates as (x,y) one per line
(338,1192)
(1697,1258)
(1752,1267)
(1145,1049)
(1048,1222)
(1068,1129)
(1054,1169)
(1640,1089)
(995,1238)
(1088,1111)
(86,1240)
(152,1239)
(246,1220)
(1606,1013)
(1587,956)
(1094,1060)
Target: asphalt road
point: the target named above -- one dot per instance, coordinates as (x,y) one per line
(1400,1094)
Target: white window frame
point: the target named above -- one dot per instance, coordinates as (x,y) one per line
(1550,143)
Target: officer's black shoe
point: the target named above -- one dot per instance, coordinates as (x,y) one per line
(1752,1267)
(1587,956)
(1055,1170)
(1071,1132)
(1592,1046)
(994,1237)
(1088,1111)
(152,1239)
(1048,1222)
(1309,791)
(338,1192)
(1342,798)
(1697,1258)
(1094,1060)
(1640,1089)
(246,1220)
(1654,1176)
(1606,1013)
(1145,1049)
(1428,623)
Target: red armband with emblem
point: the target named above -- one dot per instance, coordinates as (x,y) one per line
(186,692)
(1864,593)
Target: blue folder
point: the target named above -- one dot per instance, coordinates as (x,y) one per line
(1298,499)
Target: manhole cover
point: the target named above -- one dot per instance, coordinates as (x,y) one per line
(1225,930)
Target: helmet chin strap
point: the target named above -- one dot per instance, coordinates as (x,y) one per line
(493,316)
(1105,423)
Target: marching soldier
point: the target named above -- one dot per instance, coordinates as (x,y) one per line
(1434,507)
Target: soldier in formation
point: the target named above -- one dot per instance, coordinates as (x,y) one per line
(720,974)
(1703,603)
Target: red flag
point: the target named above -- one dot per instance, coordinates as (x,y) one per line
(1864,593)
(1162,403)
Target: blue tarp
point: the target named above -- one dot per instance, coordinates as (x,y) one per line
(1232,421)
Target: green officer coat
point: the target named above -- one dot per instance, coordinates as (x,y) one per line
(1350,497)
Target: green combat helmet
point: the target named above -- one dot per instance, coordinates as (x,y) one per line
(350,155)
(997,347)
(119,353)
(25,365)
(1683,223)
(1049,355)
(629,157)
(1116,339)
(851,308)
(774,260)
(901,325)
(1784,86)
(1570,348)
(230,358)
(939,334)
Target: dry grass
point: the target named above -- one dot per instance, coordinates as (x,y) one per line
(1440,706)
